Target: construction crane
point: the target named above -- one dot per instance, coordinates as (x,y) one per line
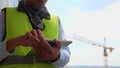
(103,45)
(105,54)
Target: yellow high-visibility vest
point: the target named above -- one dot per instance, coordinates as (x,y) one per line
(17,24)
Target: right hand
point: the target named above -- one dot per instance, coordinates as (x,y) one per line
(45,50)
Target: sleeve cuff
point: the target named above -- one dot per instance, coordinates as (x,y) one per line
(3,51)
(63,59)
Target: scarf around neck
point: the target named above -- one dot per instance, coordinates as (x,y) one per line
(35,17)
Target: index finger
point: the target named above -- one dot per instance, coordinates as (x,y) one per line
(34,33)
(40,35)
(39,32)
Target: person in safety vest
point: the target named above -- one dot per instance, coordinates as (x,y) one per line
(30,37)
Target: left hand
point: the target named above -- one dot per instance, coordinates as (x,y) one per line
(45,51)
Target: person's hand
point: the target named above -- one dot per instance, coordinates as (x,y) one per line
(45,51)
(29,39)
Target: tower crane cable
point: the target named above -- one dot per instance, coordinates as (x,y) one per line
(83,39)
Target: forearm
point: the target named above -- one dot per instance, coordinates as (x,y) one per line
(3,50)
(12,44)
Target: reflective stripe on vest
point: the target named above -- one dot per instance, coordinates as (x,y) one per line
(30,59)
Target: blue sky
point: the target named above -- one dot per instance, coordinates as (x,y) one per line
(84,5)
(94,20)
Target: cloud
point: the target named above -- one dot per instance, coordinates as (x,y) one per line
(95,25)
(86,57)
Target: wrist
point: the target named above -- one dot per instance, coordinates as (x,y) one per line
(56,58)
